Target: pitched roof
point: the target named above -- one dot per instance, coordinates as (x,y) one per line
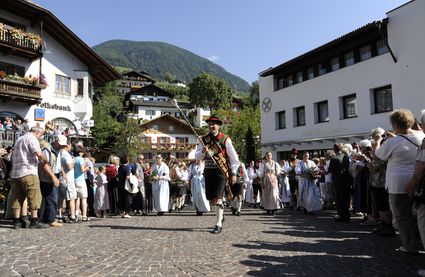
(140,74)
(167,117)
(100,70)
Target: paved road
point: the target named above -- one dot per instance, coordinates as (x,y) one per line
(180,244)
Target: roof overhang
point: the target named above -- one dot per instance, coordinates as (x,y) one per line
(101,71)
(345,42)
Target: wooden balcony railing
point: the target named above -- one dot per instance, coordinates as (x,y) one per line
(26,44)
(172,146)
(20,91)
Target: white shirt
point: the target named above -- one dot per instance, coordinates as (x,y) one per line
(400,154)
(230,151)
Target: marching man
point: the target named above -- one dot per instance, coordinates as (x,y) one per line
(242,180)
(217,144)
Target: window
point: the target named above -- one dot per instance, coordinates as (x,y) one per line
(288,81)
(150,112)
(278,83)
(381,47)
(383,99)
(12,69)
(299,77)
(80,87)
(299,116)
(280,120)
(155,127)
(62,85)
(310,73)
(365,53)
(349,106)
(322,113)
(335,64)
(321,69)
(349,58)
(171,129)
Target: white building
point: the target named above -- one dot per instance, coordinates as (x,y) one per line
(167,135)
(150,102)
(343,89)
(33,42)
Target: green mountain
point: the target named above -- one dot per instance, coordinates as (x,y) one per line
(159,59)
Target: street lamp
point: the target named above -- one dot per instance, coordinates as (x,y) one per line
(256,142)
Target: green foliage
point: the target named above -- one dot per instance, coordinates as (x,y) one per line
(160,58)
(181,93)
(128,140)
(122,69)
(169,76)
(107,107)
(207,90)
(254,93)
(239,122)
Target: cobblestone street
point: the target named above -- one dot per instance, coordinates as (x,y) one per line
(180,244)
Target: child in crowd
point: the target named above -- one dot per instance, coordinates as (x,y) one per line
(101,200)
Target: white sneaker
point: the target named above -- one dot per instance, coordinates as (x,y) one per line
(127,216)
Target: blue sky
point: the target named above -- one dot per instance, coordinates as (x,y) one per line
(243,36)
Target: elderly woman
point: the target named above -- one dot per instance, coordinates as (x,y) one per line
(419,171)
(268,171)
(400,151)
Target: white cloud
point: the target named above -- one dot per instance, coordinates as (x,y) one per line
(213,58)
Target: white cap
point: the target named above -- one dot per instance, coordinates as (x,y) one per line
(62,140)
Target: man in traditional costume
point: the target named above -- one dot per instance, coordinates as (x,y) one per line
(242,180)
(221,159)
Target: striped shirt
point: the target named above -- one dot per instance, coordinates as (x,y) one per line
(24,158)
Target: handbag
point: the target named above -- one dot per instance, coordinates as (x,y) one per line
(418,194)
(131,184)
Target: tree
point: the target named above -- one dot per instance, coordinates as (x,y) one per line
(236,125)
(250,146)
(207,90)
(181,93)
(129,140)
(107,107)
(168,77)
(254,93)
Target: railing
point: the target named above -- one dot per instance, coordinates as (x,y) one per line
(13,88)
(172,146)
(9,137)
(19,39)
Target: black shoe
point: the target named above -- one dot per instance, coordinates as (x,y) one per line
(342,219)
(37,225)
(160,213)
(238,213)
(233,211)
(217,229)
(24,221)
(199,213)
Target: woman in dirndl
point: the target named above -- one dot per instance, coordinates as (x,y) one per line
(308,194)
(269,171)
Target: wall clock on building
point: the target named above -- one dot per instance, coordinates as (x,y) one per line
(266,105)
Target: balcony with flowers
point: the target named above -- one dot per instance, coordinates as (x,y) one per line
(19,42)
(26,89)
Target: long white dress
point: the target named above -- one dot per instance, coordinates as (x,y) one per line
(160,188)
(308,193)
(285,195)
(249,193)
(101,198)
(196,173)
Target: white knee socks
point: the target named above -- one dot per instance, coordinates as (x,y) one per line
(219,215)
